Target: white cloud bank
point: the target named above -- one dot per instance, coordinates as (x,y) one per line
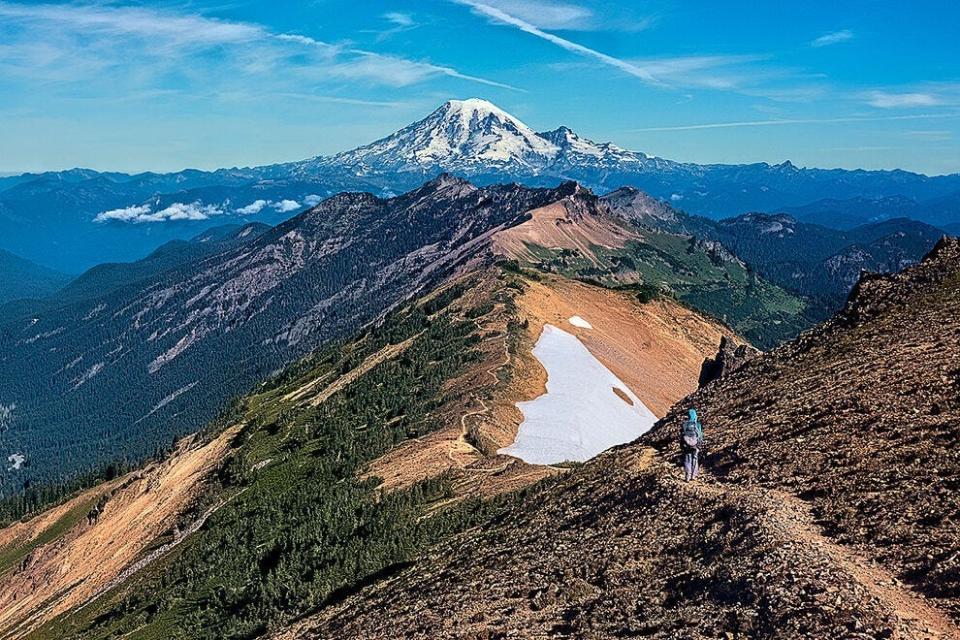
(253,208)
(286,206)
(197,210)
(176,211)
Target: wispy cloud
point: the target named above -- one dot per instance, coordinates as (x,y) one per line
(169,29)
(887,100)
(568,16)
(76,43)
(401,72)
(930,135)
(713,72)
(722,72)
(399,19)
(795,121)
(546,15)
(835,37)
(500,16)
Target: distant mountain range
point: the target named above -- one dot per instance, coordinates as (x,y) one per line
(818,263)
(71,220)
(853,212)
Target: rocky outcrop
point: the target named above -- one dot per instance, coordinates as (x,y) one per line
(729,358)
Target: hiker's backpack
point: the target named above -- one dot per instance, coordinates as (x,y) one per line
(690,435)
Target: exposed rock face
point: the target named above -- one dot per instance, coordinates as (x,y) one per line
(729,358)
(718,253)
(829,508)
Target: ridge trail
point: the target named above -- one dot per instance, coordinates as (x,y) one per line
(790,518)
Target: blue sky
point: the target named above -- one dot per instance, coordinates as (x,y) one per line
(162,86)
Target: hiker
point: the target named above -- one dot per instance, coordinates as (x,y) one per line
(691,439)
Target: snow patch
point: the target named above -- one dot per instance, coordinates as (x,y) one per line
(577,321)
(16,461)
(580,415)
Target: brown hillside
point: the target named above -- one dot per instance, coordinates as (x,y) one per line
(135,511)
(829,510)
(576,222)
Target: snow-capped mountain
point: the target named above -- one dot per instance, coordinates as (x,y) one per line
(474,137)
(460,134)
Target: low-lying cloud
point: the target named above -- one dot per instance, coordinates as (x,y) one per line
(285,206)
(253,208)
(174,212)
(179,211)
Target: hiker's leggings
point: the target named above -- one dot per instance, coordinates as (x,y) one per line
(691,463)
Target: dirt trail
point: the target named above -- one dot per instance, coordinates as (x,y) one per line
(790,518)
(461,444)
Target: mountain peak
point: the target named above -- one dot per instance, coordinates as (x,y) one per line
(475,106)
(475,137)
(458,136)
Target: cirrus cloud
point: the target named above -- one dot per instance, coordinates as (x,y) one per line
(835,37)
(887,100)
(75,43)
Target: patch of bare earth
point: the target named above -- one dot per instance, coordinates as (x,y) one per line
(565,224)
(139,508)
